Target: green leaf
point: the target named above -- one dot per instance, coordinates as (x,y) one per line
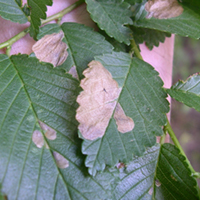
(187,24)
(137,179)
(132,2)
(175,178)
(83,44)
(32,91)
(187,92)
(111,16)
(151,37)
(11,10)
(143,99)
(38,10)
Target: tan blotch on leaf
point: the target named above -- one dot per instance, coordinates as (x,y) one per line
(61,162)
(163,9)
(124,123)
(97,101)
(73,72)
(49,132)
(38,139)
(50,48)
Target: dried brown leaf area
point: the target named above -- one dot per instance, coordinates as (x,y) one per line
(61,161)
(50,48)
(124,123)
(163,9)
(97,102)
(38,138)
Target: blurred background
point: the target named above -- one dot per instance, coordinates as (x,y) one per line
(185,121)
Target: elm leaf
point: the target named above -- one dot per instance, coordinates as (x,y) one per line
(174,177)
(38,10)
(83,44)
(30,92)
(143,99)
(187,24)
(112,16)
(11,10)
(187,92)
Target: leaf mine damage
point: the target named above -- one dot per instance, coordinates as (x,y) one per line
(38,139)
(124,123)
(97,103)
(61,162)
(50,48)
(37,136)
(163,9)
(49,132)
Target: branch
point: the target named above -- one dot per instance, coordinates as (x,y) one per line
(58,15)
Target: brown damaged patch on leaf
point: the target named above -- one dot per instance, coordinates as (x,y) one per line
(49,132)
(61,161)
(73,72)
(38,139)
(97,101)
(50,48)
(163,9)
(124,123)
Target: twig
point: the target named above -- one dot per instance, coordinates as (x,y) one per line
(20,35)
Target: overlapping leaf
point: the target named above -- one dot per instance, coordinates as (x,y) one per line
(38,10)
(30,91)
(175,178)
(111,16)
(132,2)
(143,99)
(83,44)
(187,92)
(11,10)
(137,179)
(187,24)
(151,37)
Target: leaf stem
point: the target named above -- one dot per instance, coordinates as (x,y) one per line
(135,50)
(12,40)
(20,35)
(162,139)
(168,128)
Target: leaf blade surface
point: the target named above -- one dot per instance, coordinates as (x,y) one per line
(139,101)
(187,92)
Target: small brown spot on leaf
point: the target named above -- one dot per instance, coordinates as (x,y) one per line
(38,139)
(157,183)
(61,162)
(73,72)
(163,9)
(49,132)
(50,48)
(150,191)
(120,165)
(97,102)
(173,177)
(124,123)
